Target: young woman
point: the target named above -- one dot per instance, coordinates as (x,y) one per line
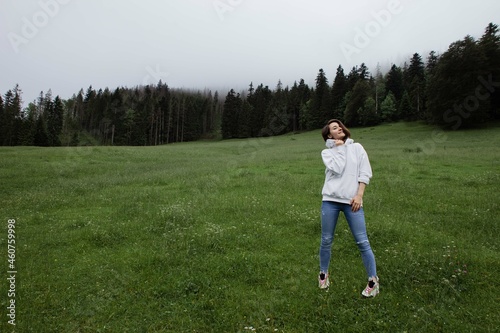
(347,173)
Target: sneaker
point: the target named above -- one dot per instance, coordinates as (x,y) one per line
(372,288)
(323,280)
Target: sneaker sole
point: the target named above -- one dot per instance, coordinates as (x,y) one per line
(373,294)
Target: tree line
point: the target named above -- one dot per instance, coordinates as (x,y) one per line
(146,115)
(456,89)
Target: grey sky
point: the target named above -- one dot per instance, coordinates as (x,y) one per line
(66,45)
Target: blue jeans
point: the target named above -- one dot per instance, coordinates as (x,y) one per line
(329,216)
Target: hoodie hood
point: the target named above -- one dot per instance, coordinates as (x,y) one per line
(330,142)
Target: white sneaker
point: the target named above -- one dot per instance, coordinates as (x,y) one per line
(372,288)
(323,280)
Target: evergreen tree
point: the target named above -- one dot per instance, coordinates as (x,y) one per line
(279,119)
(490,47)
(430,71)
(379,88)
(321,102)
(41,139)
(27,130)
(352,78)
(260,103)
(54,120)
(356,102)
(79,110)
(368,113)
(388,109)
(452,98)
(11,117)
(432,61)
(299,96)
(405,106)
(88,109)
(363,72)
(394,83)
(230,116)
(245,129)
(339,90)
(2,120)
(416,78)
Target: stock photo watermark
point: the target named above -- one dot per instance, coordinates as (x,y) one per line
(154,75)
(225,6)
(11,271)
(460,112)
(371,30)
(471,103)
(30,27)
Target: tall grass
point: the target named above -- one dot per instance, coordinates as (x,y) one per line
(223,236)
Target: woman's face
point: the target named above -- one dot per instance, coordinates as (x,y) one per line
(336,132)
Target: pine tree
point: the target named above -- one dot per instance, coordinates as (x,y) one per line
(388,109)
(368,113)
(41,139)
(279,119)
(490,47)
(245,129)
(230,116)
(339,90)
(28,123)
(379,88)
(363,72)
(299,96)
(11,117)
(432,61)
(88,109)
(260,103)
(452,98)
(352,78)
(356,101)
(394,83)
(321,102)
(430,71)
(2,120)
(416,78)
(53,112)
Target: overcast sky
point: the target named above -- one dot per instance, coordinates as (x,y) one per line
(66,45)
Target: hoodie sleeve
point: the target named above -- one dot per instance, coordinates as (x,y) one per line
(335,159)
(365,169)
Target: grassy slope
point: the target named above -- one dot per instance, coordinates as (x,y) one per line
(223,236)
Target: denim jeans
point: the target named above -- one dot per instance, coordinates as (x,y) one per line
(329,216)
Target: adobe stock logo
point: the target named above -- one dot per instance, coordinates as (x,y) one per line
(40,19)
(372,29)
(154,75)
(224,6)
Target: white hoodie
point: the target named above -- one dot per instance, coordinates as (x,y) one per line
(346,165)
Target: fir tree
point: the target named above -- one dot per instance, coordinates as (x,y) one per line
(490,47)
(339,90)
(388,109)
(416,78)
(394,83)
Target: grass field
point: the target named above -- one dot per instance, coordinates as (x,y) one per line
(223,236)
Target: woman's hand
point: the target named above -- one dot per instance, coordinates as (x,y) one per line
(356,203)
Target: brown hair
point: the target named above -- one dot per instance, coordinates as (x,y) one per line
(326,129)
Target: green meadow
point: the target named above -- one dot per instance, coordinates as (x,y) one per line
(223,236)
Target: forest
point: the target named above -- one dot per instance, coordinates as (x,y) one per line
(457,89)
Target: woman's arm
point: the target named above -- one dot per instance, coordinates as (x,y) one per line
(335,159)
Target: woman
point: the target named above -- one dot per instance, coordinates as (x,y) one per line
(348,171)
